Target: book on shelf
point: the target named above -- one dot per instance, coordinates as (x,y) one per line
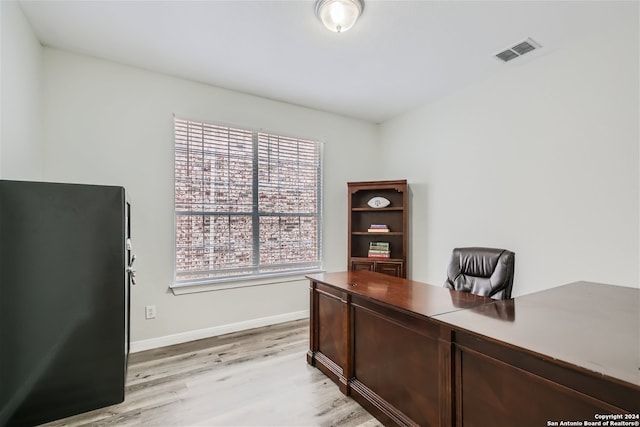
(376,255)
(380,246)
(384,244)
(379,250)
(378,228)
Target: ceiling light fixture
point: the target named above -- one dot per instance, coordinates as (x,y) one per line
(339,15)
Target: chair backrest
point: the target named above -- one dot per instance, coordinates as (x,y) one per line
(481,271)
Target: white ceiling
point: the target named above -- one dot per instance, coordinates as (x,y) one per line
(398,56)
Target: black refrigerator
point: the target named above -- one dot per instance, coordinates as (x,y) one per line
(65,276)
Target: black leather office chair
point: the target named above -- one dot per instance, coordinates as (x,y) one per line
(481,271)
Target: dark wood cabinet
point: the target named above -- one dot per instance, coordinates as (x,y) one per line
(381,206)
(392,268)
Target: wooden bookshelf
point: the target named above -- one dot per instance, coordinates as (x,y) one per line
(362,217)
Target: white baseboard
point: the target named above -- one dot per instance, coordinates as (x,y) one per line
(199,334)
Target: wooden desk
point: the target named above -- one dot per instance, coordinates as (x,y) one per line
(416,354)
(373,335)
(564,354)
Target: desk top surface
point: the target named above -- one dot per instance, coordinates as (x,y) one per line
(589,325)
(415,297)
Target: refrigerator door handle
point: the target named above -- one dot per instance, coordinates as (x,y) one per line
(131,270)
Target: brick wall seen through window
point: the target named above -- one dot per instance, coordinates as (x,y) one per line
(247,203)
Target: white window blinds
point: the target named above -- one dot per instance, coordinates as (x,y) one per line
(247,203)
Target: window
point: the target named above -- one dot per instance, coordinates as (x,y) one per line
(247,203)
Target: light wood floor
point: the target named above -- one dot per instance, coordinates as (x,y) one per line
(251,378)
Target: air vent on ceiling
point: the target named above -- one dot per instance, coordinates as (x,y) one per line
(518,49)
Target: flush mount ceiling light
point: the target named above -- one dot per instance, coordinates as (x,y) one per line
(339,15)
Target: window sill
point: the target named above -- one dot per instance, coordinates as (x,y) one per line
(192,288)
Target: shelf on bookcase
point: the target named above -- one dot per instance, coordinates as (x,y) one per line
(392,208)
(364,258)
(377,233)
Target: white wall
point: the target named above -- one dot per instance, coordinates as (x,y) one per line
(20,96)
(541,159)
(110,124)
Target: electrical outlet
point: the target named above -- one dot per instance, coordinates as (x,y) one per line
(150,312)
